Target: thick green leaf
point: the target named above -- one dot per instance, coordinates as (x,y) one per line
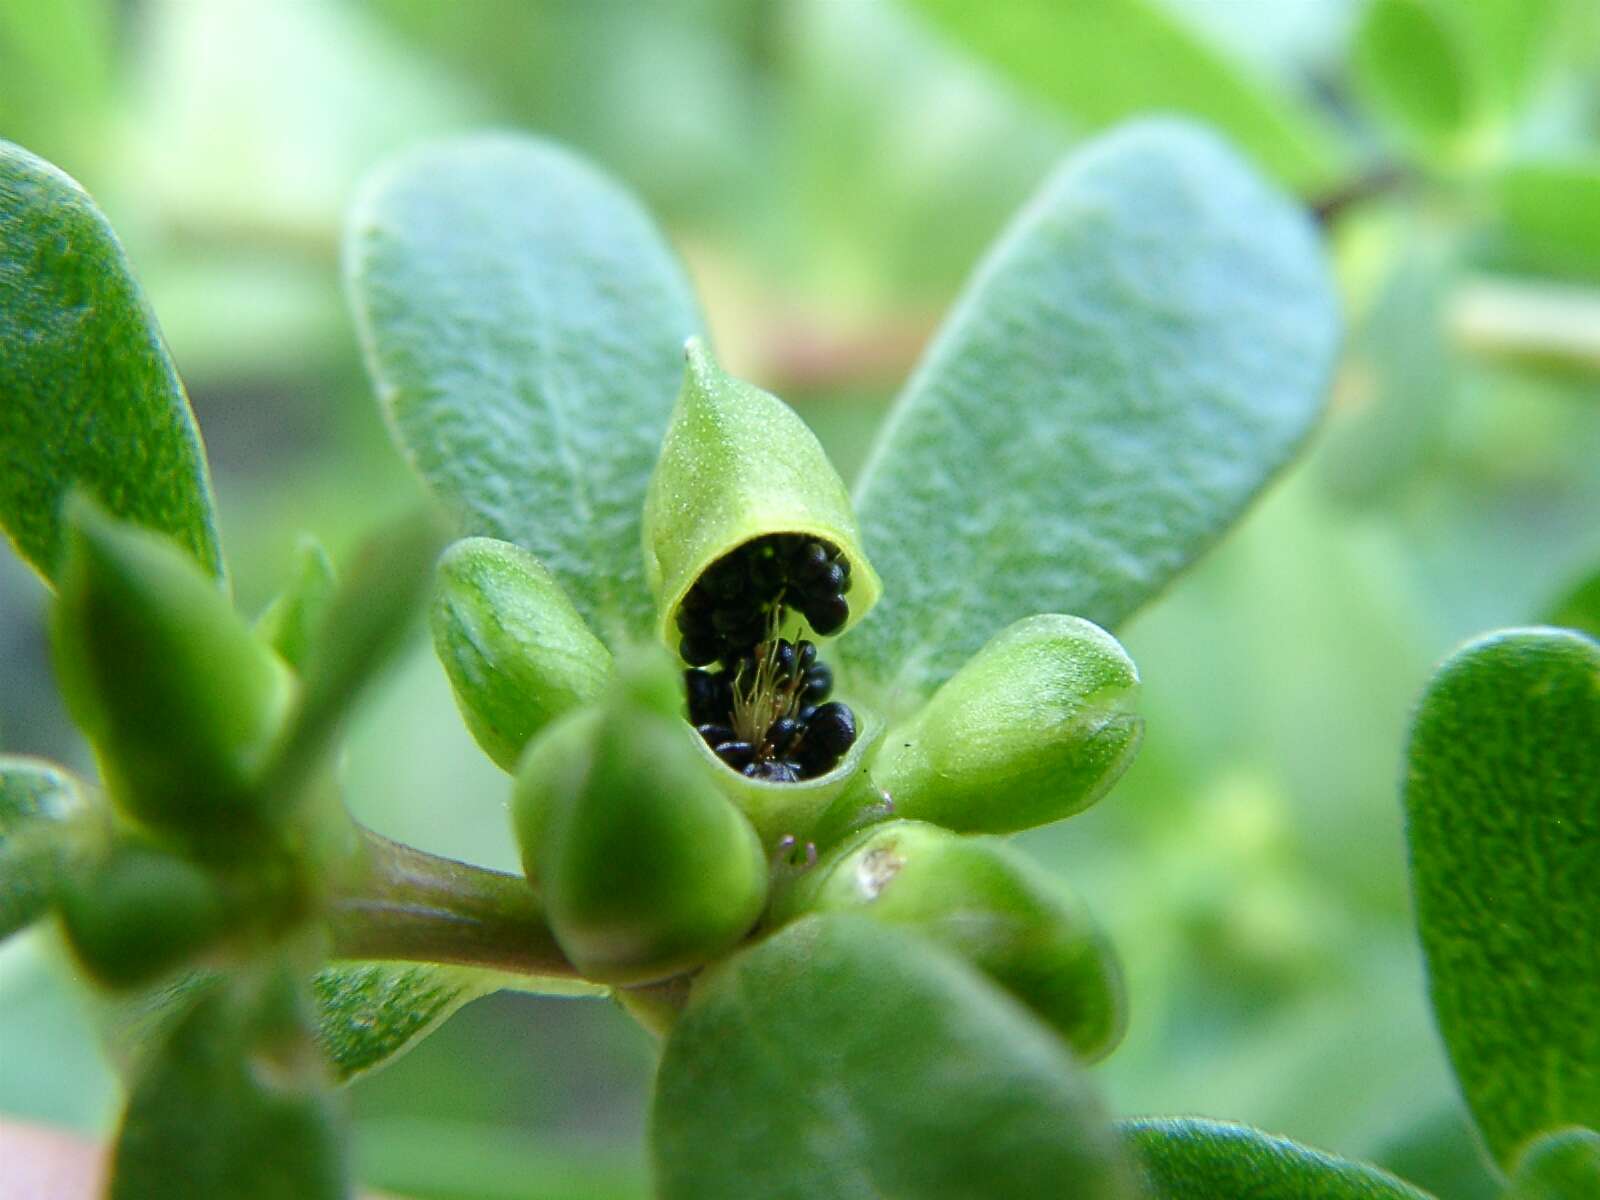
(1410,61)
(1105,60)
(235,1103)
(88,396)
(1503,820)
(1564,1165)
(841,1058)
(1145,346)
(524,323)
(1188,1159)
(41,817)
(1548,215)
(369,1012)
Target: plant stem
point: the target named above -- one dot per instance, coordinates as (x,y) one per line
(402,903)
(1551,323)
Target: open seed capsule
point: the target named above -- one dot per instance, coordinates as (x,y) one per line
(517,652)
(645,868)
(746,515)
(182,702)
(989,904)
(1036,726)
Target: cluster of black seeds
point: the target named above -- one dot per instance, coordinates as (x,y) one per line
(731,606)
(766,712)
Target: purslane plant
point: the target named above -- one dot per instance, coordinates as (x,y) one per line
(763,732)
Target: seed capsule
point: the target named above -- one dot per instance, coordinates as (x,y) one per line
(990,905)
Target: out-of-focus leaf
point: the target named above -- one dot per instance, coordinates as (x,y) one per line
(1189,1159)
(841,1058)
(1548,216)
(88,396)
(291,622)
(1104,60)
(524,323)
(1564,1165)
(56,60)
(369,1012)
(1510,41)
(235,1103)
(1502,800)
(1409,61)
(1141,351)
(41,810)
(1579,608)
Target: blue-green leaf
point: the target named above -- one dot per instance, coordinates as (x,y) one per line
(42,814)
(1106,60)
(524,323)
(1140,352)
(88,396)
(1502,800)
(842,1058)
(1190,1159)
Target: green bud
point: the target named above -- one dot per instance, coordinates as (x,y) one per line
(987,903)
(645,868)
(291,622)
(181,701)
(738,464)
(517,652)
(1035,727)
(140,914)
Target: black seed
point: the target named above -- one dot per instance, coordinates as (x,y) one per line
(832,579)
(773,771)
(818,684)
(730,618)
(807,711)
(782,734)
(809,558)
(698,649)
(828,614)
(735,754)
(831,730)
(806,655)
(783,657)
(716,734)
(703,691)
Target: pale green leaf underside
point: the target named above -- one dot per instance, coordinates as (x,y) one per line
(524,322)
(1192,1159)
(1502,802)
(41,811)
(1146,345)
(88,395)
(1105,60)
(841,1058)
(368,1012)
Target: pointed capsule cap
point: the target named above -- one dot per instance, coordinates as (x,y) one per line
(739,464)
(517,652)
(645,868)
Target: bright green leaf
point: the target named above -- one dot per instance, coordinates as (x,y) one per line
(841,1058)
(1104,60)
(1548,216)
(236,1103)
(88,396)
(524,322)
(1503,821)
(1186,1159)
(369,1012)
(1511,42)
(41,815)
(1579,607)
(1142,350)
(1409,61)
(1564,1165)
(290,624)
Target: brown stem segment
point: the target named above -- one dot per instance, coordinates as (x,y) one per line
(402,903)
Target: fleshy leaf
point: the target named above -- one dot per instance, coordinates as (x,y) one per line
(1106,61)
(1141,351)
(842,1058)
(41,817)
(1410,59)
(524,323)
(367,1013)
(1191,1159)
(235,1103)
(88,395)
(1564,1165)
(1502,801)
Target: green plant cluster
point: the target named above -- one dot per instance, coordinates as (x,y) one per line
(859,988)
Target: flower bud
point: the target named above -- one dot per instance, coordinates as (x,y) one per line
(1035,727)
(747,526)
(645,868)
(181,701)
(517,653)
(140,914)
(986,902)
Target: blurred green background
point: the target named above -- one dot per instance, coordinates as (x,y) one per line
(831,169)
